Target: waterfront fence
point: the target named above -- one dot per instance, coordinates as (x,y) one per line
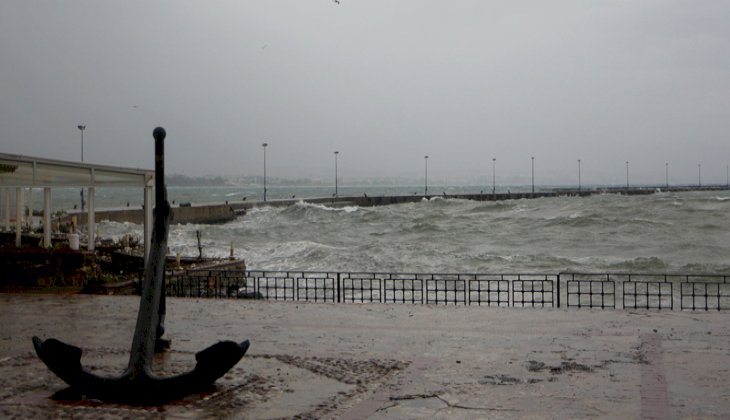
(569,290)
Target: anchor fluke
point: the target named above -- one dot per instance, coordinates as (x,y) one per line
(142,388)
(217,359)
(62,359)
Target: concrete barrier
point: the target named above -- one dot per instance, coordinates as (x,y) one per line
(215,213)
(221,213)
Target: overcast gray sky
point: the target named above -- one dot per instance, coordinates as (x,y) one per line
(385,82)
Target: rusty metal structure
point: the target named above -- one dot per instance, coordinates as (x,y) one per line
(138,384)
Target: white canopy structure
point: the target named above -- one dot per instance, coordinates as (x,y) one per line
(22,172)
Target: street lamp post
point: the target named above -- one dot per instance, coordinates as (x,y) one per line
(533,174)
(264,146)
(425,158)
(336,153)
(666,173)
(627,174)
(699,175)
(81,129)
(727,175)
(579,175)
(494,172)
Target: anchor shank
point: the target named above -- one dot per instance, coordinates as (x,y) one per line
(151,306)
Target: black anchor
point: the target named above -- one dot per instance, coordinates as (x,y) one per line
(137,385)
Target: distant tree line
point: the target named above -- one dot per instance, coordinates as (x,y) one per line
(177,180)
(198,181)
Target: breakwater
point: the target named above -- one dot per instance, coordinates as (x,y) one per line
(223,212)
(204,213)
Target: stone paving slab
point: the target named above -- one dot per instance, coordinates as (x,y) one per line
(315,360)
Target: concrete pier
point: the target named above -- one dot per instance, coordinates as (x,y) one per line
(224,212)
(205,213)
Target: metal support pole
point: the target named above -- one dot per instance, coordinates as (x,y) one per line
(699,175)
(264,146)
(29,220)
(81,129)
(91,225)
(579,185)
(558,289)
(7,208)
(47,217)
(533,174)
(18,215)
(425,192)
(336,153)
(339,295)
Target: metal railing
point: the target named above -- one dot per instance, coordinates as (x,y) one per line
(572,290)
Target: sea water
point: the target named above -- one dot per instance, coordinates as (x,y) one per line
(663,232)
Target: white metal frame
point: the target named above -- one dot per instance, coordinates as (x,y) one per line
(19,172)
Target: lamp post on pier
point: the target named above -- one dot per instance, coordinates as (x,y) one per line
(627,174)
(425,159)
(336,153)
(666,173)
(265,145)
(81,128)
(579,175)
(494,172)
(699,175)
(533,174)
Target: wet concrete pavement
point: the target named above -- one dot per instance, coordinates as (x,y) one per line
(314,360)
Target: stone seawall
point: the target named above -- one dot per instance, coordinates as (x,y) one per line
(209,213)
(221,213)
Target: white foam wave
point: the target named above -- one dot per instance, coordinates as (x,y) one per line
(345,209)
(597,234)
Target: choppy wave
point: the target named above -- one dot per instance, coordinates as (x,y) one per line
(640,265)
(597,233)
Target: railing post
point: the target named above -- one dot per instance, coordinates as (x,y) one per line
(339,296)
(296,286)
(467,286)
(558,288)
(424,288)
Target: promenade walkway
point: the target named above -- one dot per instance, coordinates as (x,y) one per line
(380,361)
